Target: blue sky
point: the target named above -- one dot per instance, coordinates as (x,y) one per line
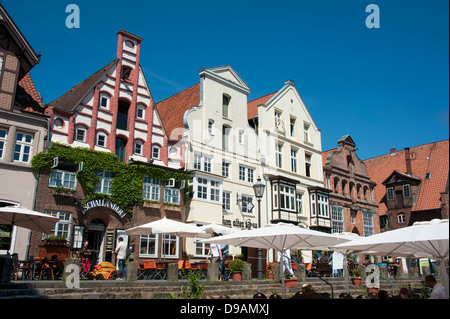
(386,87)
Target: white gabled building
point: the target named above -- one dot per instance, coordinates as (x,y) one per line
(290,145)
(221,150)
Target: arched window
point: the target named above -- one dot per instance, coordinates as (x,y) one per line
(138,147)
(101,139)
(156,151)
(225,103)
(122,115)
(140,112)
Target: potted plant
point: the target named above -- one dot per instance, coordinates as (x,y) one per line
(52,240)
(270,274)
(356,276)
(236,267)
(288,281)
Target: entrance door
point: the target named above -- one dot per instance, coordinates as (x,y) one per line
(96,234)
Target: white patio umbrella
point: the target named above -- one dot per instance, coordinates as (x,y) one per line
(209,229)
(345,252)
(423,239)
(30,219)
(280,237)
(166,226)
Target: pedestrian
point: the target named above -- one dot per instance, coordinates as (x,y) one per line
(121,256)
(224,251)
(214,250)
(438,291)
(286,262)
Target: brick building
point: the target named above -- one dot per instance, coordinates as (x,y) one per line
(352,198)
(412,184)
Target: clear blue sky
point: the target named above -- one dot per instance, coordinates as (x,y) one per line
(385,87)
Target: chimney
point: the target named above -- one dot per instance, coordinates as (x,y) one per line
(393,151)
(408,161)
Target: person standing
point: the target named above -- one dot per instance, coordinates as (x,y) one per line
(121,256)
(214,251)
(438,291)
(222,270)
(286,262)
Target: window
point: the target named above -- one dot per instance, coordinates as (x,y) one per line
(287,197)
(292,127)
(22,148)
(319,205)
(368,224)
(101,139)
(353,216)
(3,135)
(148,244)
(226,169)
(246,208)
(211,127)
(390,193)
(78,235)
(428,175)
(275,196)
(215,191)
(241,137)
(104,101)
(279,155)
(294,161)
(225,104)
(308,165)
(104,186)
(201,249)
(384,221)
(140,112)
(225,137)
(406,191)
(202,163)
(122,115)
(208,189)
(138,148)
(306,132)
(278,120)
(1,65)
(169,246)
(80,134)
(246,174)
(59,178)
(151,189)
(299,197)
(172,195)
(401,218)
(226,201)
(337,219)
(62,227)
(155,152)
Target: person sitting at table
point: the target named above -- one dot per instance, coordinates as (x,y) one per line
(324,257)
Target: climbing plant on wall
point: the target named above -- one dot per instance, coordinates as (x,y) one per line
(127,183)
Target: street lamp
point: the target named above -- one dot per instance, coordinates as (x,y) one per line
(258,188)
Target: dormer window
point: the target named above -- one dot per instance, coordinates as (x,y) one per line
(104,101)
(140,112)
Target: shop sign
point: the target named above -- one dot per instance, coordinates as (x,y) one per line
(103,203)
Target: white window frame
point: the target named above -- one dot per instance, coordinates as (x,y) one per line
(172,195)
(245,200)
(299,198)
(138,148)
(211,127)
(104,97)
(105,184)
(63,227)
(306,132)
(294,160)
(83,129)
(287,197)
(105,139)
(368,224)
(60,178)
(279,155)
(202,163)
(246,174)
(337,219)
(3,138)
(151,189)
(278,115)
(168,240)
(308,165)
(401,218)
(406,191)
(226,201)
(322,204)
(157,149)
(149,239)
(23,147)
(226,169)
(208,189)
(390,193)
(140,112)
(241,137)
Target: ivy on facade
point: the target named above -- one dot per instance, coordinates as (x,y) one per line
(127,182)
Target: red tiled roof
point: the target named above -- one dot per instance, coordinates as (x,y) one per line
(325,155)
(69,100)
(172,109)
(252,106)
(428,158)
(27,97)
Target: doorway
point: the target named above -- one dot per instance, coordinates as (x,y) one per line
(95,236)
